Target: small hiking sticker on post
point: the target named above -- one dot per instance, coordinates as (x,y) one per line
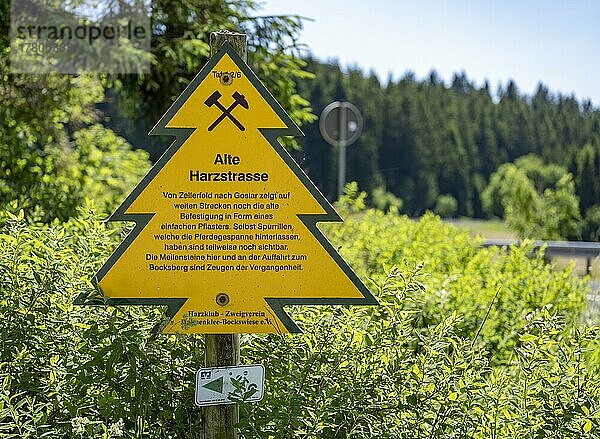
(90,36)
(230,384)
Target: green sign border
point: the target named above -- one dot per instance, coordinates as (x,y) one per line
(271,134)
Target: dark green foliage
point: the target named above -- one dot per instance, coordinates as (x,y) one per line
(591,224)
(423,138)
(52,153)
(586,168)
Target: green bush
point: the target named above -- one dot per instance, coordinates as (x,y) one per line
(463,276)
(537,201)
(467,342)
(55,181)
(374,373)
(53,152)
(70,371)
(445,206)
(384,200)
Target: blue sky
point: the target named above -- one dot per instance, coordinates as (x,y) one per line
(555,42)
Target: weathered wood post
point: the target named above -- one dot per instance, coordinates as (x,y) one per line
(219,420)
(222,349)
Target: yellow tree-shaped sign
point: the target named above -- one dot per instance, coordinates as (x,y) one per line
(225,229)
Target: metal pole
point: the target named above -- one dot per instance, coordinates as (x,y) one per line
(222,349)
(342,129)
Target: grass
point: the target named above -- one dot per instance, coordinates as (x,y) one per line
(490,229)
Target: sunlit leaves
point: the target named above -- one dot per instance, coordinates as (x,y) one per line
(410,367)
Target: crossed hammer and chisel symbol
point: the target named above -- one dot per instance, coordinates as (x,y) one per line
(238,99)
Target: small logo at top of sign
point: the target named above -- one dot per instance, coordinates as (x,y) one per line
(238,99)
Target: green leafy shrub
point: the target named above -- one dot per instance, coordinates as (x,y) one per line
(384,200)
(70,371)
(53,154)
(375,373)
(445,206)
(109,167)
(467,342)
(463,277)
(537,201)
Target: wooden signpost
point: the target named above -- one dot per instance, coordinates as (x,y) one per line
(225,223)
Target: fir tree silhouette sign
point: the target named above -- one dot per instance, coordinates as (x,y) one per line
(225,229)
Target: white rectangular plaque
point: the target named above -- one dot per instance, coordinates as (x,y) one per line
(230,384)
